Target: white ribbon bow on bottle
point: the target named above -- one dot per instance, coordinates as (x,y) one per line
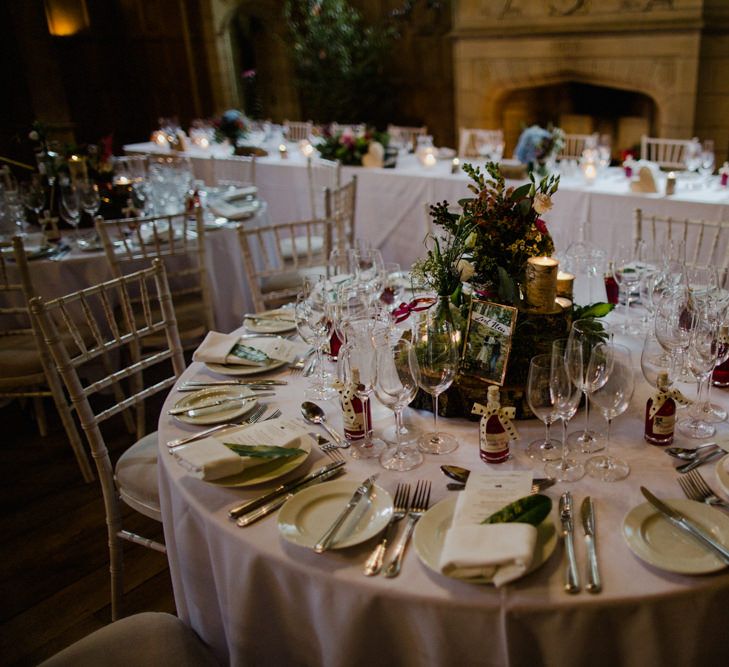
(662,396)
(505,416)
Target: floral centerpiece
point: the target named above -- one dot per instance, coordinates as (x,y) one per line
(350,146)
(232,125)
(481,252)
(537,147)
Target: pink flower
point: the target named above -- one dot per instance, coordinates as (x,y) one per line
(249,74)
(541,225)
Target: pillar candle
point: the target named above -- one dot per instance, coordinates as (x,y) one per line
(565,284)
(541,283)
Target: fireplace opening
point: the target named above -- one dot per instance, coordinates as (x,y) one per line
(580,108)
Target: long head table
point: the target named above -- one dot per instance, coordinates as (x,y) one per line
(257,599)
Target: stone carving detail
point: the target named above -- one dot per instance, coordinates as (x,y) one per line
(565,7)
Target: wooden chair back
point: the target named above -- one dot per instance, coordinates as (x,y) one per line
(574,144)
(471,138)
(297,130)
(277,257)
(237,170)
(20,339)
(179,241)
(666,153)
(706,243)
(322,174)
(64,319)
(406,135)
(340,205)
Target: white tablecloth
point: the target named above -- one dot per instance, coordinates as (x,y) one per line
(256,599)
(391,203)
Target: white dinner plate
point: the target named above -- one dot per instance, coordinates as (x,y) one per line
(432,527)
(226,411)
(242,369)
(266,471)
(722,474)
(272,325)
(653,539)
(305,518)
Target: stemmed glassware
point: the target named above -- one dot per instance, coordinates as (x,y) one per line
(33,195)
(540,403)
(584,336)
(356,366)
(71,208)
(565,398)
(89,197)
(673,323)
(366,265)
(434,362)
(611,375)
(313,324)
(395,388)
(626,271)
(702,354)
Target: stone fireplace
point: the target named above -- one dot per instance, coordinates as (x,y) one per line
(618,67)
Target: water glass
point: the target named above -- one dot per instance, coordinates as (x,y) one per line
(540,403)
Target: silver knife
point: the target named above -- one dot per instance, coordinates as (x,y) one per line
(245,383)
(572,577)
(687,525)
(363,491)
(195,410)
(594,584)
(265,510)
(272,317)
(706,458)
(252,387)
(282,489)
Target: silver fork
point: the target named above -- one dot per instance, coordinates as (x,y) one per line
(695,487)
(297,368)
(418,506)
(252,418)
(376,558)
(334,454)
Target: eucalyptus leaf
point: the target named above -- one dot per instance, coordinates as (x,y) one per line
(599,309)
(507,287)
(521,192)
(265,451)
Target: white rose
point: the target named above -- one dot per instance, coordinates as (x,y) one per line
(33,135)
(542,203)
(465,270)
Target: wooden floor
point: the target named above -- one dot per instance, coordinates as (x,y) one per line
(54,577)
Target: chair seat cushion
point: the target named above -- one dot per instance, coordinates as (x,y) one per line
(136,477)
(149,639)
(302,246)
(289,279)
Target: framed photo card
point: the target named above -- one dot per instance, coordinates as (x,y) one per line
(488,341)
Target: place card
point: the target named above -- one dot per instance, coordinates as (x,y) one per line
(282,349)
(274,433)
(488,492)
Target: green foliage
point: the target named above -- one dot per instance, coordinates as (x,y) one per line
(340,62)
(530,509)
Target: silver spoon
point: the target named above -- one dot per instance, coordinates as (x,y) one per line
(315,415)
(688,453)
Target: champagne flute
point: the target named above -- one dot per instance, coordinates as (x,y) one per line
(71,209)
(611,373)
(356,367)
(565,398)
(540,403)
(434,361)
(395,387)
(584,335)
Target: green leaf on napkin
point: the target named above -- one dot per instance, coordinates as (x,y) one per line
(530,509)
(248,353)
(265,451)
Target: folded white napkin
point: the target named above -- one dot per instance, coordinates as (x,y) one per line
(209,459)
(500,552)
(239,210)
(496,552)
(216,348)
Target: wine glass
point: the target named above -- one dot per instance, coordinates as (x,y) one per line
(707,159)
(654,360)
(33,195)
(702,354)
(71,209)
(626,272)
(89,197)
(584,335)
(672,326)
(611,372)
(356,367)
(366,265)
(541,404)
(434,362)
(395,387)
(565,398)
(312,323)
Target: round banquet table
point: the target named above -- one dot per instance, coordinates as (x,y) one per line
(257,599)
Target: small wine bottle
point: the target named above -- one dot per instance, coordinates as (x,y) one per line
(720,376)
(659,423)
(493,438)
(353,409)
